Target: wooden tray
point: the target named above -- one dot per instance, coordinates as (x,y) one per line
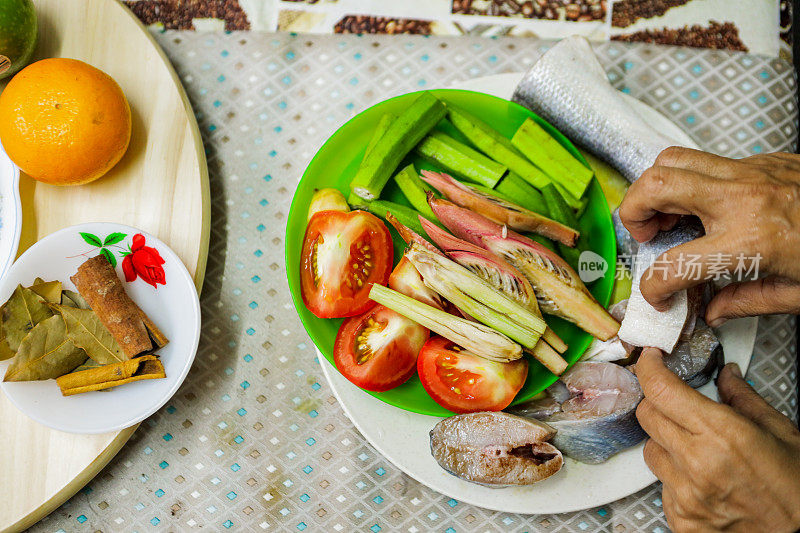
(160,186)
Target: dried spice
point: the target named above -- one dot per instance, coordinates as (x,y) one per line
(49,290)
(107,376)
(98,283)
(86,331)
(21,313)
(45,353)
(73,299)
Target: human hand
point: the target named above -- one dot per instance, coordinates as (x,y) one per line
(750,208)
(732,466)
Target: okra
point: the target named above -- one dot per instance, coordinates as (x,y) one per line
(402,134)
(459,159)
(547,153)
(561,212)
(495,145)
(381,128)
(519,191)
(407,216)
(415,190)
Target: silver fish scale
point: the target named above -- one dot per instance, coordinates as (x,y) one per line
(568,87)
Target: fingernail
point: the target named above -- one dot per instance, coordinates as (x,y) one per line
(734,369)
(717,322)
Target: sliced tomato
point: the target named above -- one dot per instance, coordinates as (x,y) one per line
(463,382)
(343,255)
(378,350)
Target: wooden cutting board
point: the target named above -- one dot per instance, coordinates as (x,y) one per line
(160,186)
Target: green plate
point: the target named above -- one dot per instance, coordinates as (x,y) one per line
(336,163)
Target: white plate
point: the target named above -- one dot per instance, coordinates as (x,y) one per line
(10,212)
(402,437)
(174,307)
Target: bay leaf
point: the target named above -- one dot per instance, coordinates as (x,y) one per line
(88,364)
(86,330)
(45,353)
(73,299)
(5,351)
(38,280)
(49,290)
(21,313)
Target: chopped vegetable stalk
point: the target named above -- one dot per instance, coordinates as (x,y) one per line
(406,215)
(356,202)
(480,312)
(460,159)
(402,135)
(561,212)
(495,145)
(473,336)
(433,266)
(550,358)
(549,155)
(381,128)
(328,200)
(492,206)
(515,189)
(415,190)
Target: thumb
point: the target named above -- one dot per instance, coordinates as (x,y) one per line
(736,392)
(751,298)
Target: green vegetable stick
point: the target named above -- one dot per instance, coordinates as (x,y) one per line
(381,128)
(406,215)
(415,190)
(402,135)
(512,186)
(459,159)
(549,155)
(492,143)
(561,212)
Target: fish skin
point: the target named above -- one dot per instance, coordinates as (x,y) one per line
(495,449)
(696,359)
(569,88)
(588,438)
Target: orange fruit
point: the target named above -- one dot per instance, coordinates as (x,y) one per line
(63,121)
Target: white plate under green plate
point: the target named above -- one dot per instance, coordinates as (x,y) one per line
(402,437)
(174,307)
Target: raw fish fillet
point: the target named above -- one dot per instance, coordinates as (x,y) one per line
(495,449)
(568,87)
(593,409)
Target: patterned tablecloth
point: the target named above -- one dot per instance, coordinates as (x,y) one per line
(254,440)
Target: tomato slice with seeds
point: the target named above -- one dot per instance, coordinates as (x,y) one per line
(465,383)
(378,350)
(343,255)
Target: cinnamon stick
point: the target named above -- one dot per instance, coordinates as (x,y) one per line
(113,375)
(97,281)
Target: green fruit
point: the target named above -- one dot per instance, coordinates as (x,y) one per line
(18,32)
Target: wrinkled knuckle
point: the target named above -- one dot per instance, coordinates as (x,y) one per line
(643,412)
(671,156)
(653,179)
(658,388)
